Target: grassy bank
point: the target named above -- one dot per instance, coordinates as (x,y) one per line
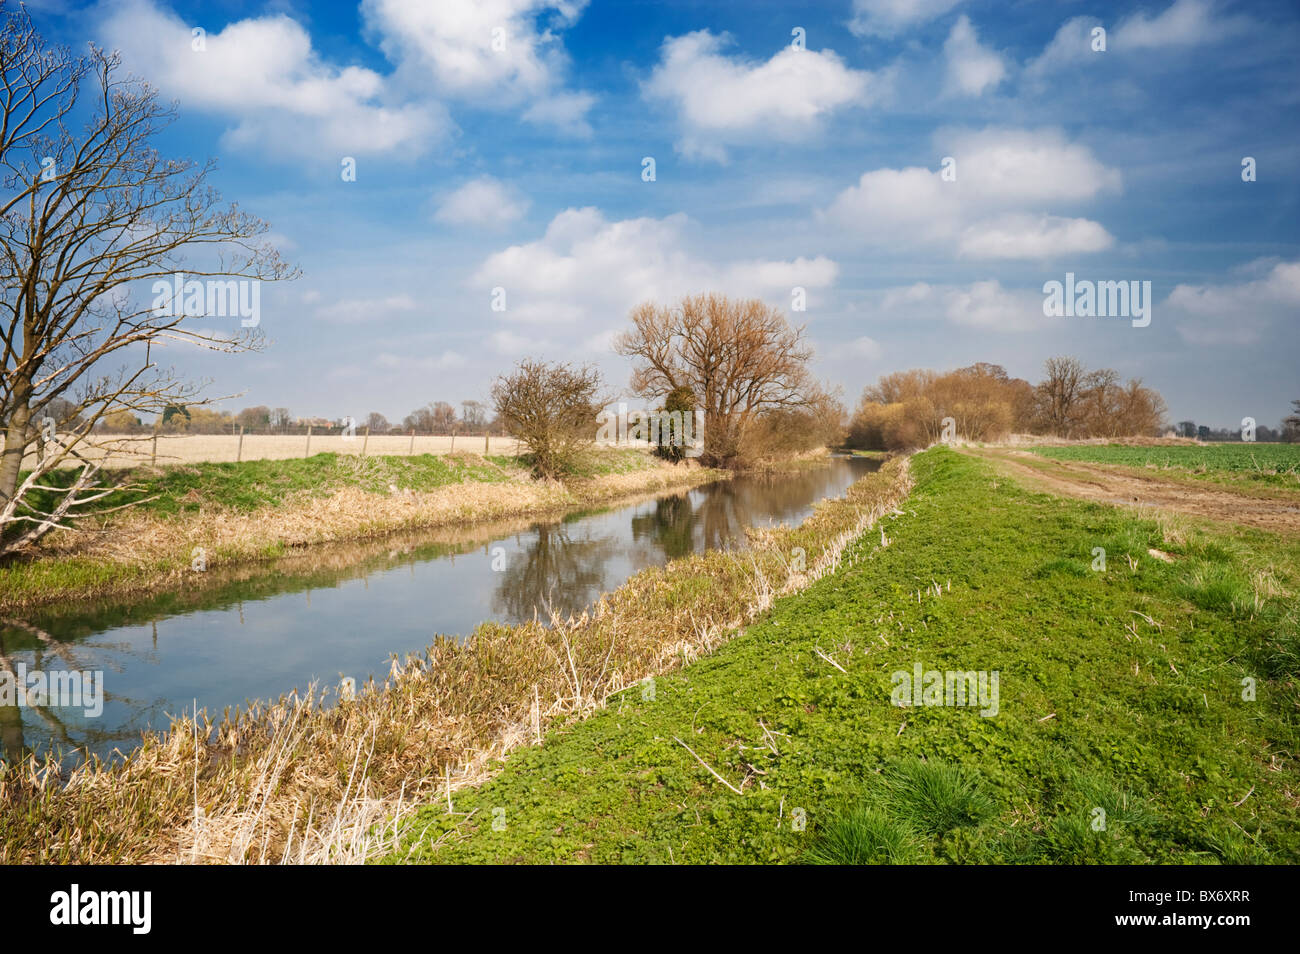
(1122,734)
(238,513)
(296,780)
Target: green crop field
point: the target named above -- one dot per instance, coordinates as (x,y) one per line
(1272,464)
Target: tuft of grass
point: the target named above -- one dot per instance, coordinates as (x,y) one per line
(863,836)
(1060,565)
(935,797)
(1220,588)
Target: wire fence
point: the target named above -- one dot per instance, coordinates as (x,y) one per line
(136,449)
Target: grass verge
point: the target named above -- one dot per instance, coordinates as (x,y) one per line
(1147,710)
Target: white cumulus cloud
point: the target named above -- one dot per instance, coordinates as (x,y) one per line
(484,202)
(1021,236)
(888,18)
(587,272)
(984,305)
(506,52)
(1184,23)
(995,207)
(971,67)
(1241,312)
(722,100)
(264,75)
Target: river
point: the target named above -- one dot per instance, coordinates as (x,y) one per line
(344,610)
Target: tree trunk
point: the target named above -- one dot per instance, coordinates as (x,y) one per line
(11,460)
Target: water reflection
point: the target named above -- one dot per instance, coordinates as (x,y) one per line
(255,632)
(560,568)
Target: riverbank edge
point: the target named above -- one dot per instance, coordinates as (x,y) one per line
(295,781)
(152,554)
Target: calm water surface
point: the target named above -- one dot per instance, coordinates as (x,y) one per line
(340,611)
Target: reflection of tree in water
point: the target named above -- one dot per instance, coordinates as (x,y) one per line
(715,516)
(670,526)
(12,739)
(555,572)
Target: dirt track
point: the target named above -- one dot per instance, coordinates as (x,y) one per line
(1279,513)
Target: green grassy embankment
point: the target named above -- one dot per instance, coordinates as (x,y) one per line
(1123,731)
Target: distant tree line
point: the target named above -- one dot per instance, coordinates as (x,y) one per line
(434,418)
(982,402)
(439,417)
(1287,432)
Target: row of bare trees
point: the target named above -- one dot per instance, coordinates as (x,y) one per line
(435,418)
(439,417)
(739,363)
(1288,431)
(909,408)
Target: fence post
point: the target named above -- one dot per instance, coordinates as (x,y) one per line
(486,437)
(365,441)
(411,450)
(239,452)
(307,452)
(153,460)
(453,443)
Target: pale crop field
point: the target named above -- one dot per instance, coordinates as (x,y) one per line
(214,448)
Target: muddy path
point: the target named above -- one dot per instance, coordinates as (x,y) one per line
(1278,512)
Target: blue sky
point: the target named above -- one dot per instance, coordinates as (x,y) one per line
(820,168)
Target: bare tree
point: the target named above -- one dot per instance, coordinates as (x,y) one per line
(1058,395)
(1291,424)
(86,216)
(254,418)
(473,415)
(443,417)
(552,409)
(421,419)
(738,358)
(377,423)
